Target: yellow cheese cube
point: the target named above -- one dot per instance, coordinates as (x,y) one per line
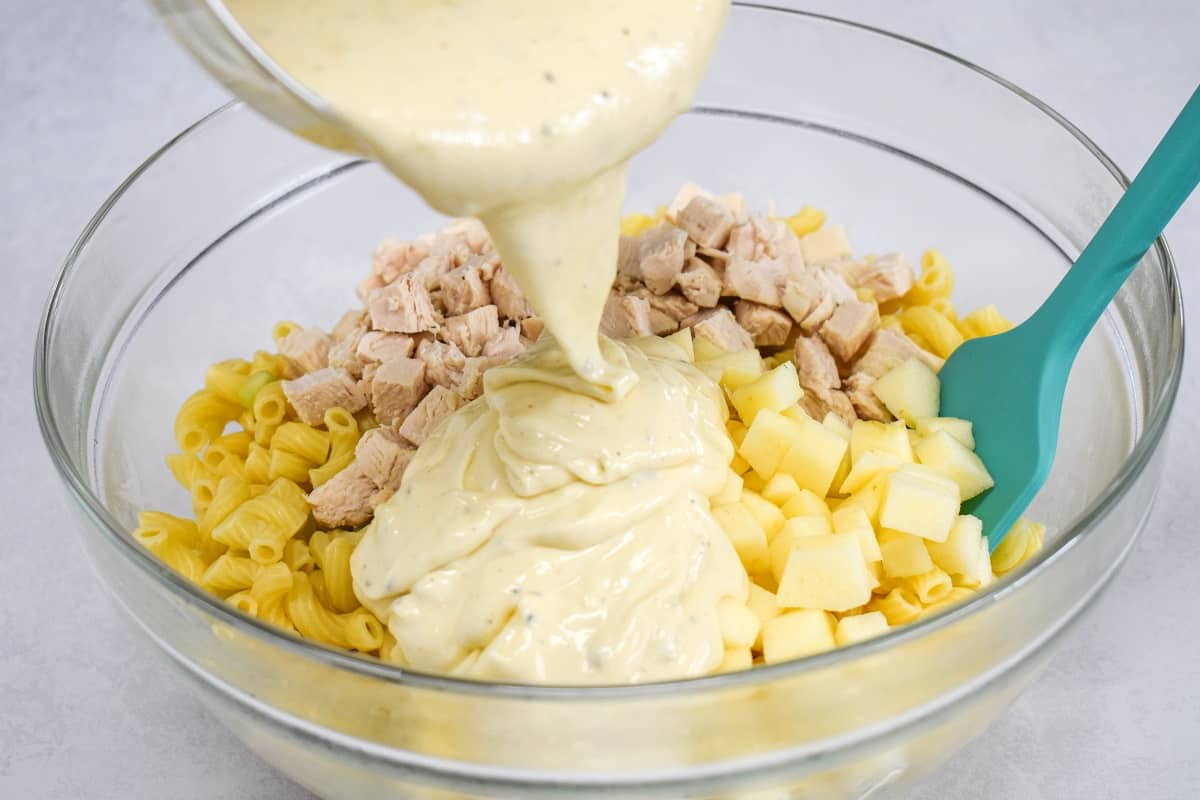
(682,339)
(826,572)
(960,429)
(762,603)
(739,625)
(806,504)
(736,659)
(910,391)
(797,634)
(870,464)
(795,413)
(707,350)
(869,498)
(859,627)
(737,431)
(767,513)
(889,437)
(746,535)
(713,373)
(946,455)
(814,457)
(767,441)
(903,554)
(920,502)
(731,492)
(753,481)
(836,424)
(980,574)
(855,520)
(737,369)
(825,244)
(780,489)
(739,464)
(781,544)
(774,390)
(805,221)
(959,554)
(913,440)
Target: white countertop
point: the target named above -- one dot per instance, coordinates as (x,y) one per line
(89,89)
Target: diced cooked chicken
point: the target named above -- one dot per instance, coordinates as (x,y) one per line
(316,392)
(859,389)
(345,500)
(393,259)
(768,326)
(437,265)
(402,307)
(508,297)
(472,331)
(661,255)
(443,361)
(761,281)
(352,323)
(736,203)
(344,353)
(468,383)
(464,289)
(451,248)
(719,327)
(811,296)
(707,221)
(814,364)
(764,237)
(504,345)
(819,402)
(673,304)
(383,346)
(396,389)
(688,192)
(436,406)
(700,283)
(383,455)
(532,327)
(629,262)
(306,350)
(889,276)
(826,245)
(625,317)
(471,231)
(848,329)
(888,350)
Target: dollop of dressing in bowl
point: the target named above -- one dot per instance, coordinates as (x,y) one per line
(557,529)
(547,535)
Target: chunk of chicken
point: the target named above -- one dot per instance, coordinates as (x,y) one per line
(306,350)
(315,393)
(761,281)
(464,289)
(383,346)
(396,389)
(819,402)
(625,316)
(403,307)
(383,455)
(436,406)
(718,326)
(661,256)
(859,389)
(504,345)
(706,221)
(889,276)
(848,329)
(700,283)
(392,259)
(443,361)
(815,365)
(345,500)
(889,349)
(508,297)
(768,326)
(471,331)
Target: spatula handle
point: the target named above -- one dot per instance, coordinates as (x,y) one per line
(1162,186)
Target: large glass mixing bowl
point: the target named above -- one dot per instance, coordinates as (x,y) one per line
(235,225)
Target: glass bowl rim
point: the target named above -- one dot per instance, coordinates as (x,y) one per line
(1160,410)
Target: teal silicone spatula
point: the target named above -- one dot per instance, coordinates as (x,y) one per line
(1011,385)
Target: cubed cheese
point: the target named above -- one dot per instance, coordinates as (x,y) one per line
(859,627)
(870,464)
(826,244)
(797,634)
(959,554)
(767,513)
(737,369)
(762,602)
(682,339)
(951,458)
(767,441)
(731,492)
(774,390)
(855,520)
(960,429)
(739,625)
(920,502)
(746,535)
(735,659)
(814,457)
(903,554)
(836,424)
(780,489)
(826,572)
(805,504)
(780,545)
(910,391)
(883,437)
(869,498)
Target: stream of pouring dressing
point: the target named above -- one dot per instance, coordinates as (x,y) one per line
(557,529)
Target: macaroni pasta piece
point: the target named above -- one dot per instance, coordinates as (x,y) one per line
(933,328)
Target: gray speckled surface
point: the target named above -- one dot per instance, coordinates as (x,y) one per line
(89,89)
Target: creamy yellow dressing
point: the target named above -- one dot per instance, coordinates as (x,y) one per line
(546,535)
(558,528)
(521,112)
